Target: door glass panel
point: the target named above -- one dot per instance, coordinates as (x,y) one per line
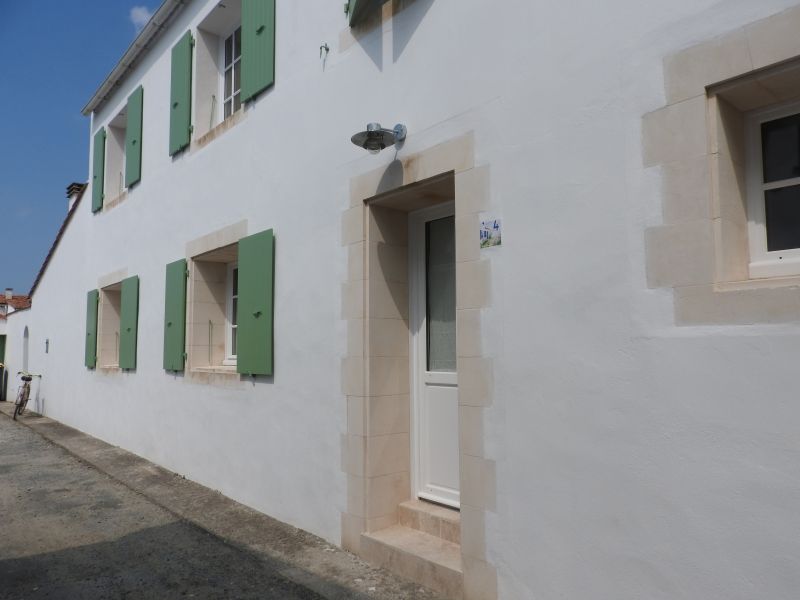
(440,263)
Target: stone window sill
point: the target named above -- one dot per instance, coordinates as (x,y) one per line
(217,370)
(219,130)
(757,284)
(115,201)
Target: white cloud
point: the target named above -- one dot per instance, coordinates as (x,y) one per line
(140,15)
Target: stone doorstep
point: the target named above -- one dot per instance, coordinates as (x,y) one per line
(433,519)
(417,556)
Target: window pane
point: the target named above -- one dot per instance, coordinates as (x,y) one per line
(780,145)
(233,341)
(237,102)
(237,44)
(228,90)
(234,307)
(237,77)
(235,285)
(228,109)
(783,218)
(441,294)
(228,51)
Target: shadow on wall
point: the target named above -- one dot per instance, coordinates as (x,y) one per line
(169,561)
(392,177)
(408,14)
(38,401)
(369,36)
(406,17)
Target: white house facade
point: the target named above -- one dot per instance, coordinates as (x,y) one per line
(541,346)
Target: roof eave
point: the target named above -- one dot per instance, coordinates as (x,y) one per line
(160,20)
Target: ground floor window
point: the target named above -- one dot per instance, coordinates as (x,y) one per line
(108,326)
(214,308)
(232,287)
(773,182)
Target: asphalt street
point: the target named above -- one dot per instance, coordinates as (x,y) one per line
(69,531)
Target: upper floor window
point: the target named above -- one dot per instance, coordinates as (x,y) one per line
(227,61)
(773,182)
(117,162)
(232,79)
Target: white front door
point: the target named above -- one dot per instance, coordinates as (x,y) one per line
(433,357)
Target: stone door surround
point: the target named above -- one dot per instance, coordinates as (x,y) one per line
(376,453)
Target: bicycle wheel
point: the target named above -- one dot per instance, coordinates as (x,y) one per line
(19,405)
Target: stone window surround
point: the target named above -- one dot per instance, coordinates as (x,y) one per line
(107,285)
(114,179)
(374,486)
(701,249)
(225,376)
(207,77)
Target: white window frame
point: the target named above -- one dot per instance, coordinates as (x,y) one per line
(230,357)
(222,91)
(779,263)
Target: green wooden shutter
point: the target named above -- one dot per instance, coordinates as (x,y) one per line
(358,10)
(98,168)
(254,342)
(133,138)
(175,316)
(2,352)
(128,322)
(91,328)
(258,46)
(180,113)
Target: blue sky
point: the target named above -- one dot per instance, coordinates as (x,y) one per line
(55,55)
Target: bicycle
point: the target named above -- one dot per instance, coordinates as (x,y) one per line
(24,393)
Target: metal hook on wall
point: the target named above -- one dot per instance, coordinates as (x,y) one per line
(324,49)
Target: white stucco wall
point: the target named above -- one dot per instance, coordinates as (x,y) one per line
(635,458)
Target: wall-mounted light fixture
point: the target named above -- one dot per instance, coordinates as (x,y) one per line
(375,138)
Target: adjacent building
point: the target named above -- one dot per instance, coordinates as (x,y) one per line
(543,345)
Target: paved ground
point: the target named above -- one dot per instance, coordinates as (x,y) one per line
(82,519)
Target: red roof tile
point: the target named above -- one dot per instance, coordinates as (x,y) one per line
(17,302)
